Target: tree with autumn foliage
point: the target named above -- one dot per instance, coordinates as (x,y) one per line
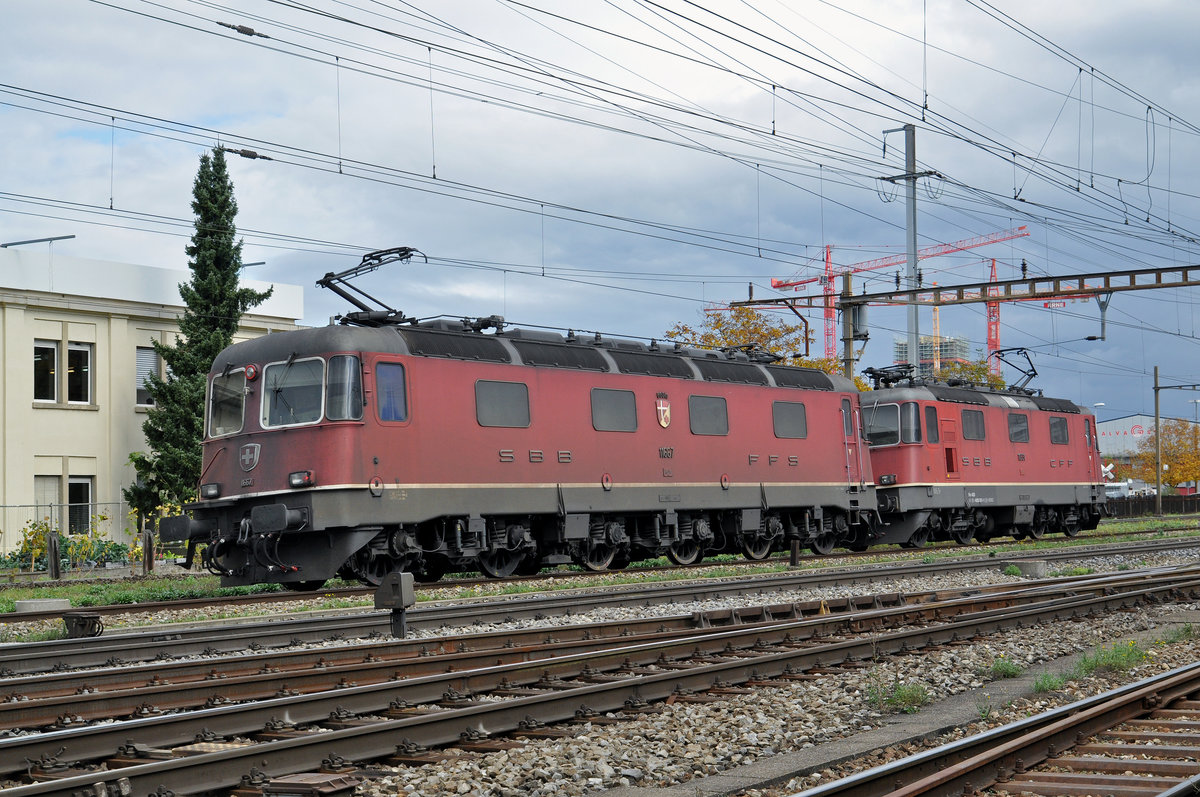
(974,371)
(1180,453)
(737,327)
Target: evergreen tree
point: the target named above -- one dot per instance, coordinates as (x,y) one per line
(213,306)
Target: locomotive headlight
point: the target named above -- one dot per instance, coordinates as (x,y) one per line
(301,478)
(887,478)
(211,490)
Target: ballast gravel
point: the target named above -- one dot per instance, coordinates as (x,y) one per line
(683,741)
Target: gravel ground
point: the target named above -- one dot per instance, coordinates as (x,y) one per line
(685,741)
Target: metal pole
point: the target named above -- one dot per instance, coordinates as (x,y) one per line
(847,330)
(1157,452)
(910,194)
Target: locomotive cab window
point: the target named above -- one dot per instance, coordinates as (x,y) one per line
(226,403)
(343,394)
(931,423)
(1018,427)
(790,420)
(292,392)
(972,425)
(1058,431)
(883,424)
(708,415)
(613,410)
(502,404)
(391,400)
(910,422)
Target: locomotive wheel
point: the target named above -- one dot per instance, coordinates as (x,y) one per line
(756,548)
(371,566)
(963,537)
(918,538)
(1037,530)
(685,552)
(620,561)
(823,543)
(599,556)
(500,564)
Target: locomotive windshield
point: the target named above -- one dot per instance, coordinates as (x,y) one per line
(292,392)
(226,403)
(889,424)
(883,424)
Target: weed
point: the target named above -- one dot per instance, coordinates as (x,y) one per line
(1184,633)
(1003,668)
(1049,682)
(1116,658)
(898,697)
(1073,571)
(1011,570)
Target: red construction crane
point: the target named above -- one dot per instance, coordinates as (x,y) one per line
(827,279)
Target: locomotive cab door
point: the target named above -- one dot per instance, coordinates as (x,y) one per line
(950,447)
(852,442)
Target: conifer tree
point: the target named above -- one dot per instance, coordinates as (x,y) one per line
(213,306)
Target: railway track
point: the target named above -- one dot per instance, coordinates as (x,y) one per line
(258,635)
(1074,549)
(1135,741)
(969,557)
(395,719)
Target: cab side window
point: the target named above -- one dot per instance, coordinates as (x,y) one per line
(391,400)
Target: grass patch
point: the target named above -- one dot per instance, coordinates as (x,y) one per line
(906,698)
(1114,658)
(1011,570)
(1073,571)
(1004,668)
(1049,682)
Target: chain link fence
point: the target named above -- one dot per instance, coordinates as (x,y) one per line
(71,541)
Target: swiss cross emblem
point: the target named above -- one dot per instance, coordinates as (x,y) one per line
(248,455)
(663,407)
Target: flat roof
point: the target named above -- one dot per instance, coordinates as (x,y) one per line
(46,272)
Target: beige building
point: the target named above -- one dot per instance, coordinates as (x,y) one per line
(75,338)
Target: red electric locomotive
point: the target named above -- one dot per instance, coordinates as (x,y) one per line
(963,463)
(438,447)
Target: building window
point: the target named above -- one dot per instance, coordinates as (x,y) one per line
(79,373)
(46,499)
(45,370)
(79,504)
(146,366)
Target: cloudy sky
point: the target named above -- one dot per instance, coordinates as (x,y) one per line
(620,166)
